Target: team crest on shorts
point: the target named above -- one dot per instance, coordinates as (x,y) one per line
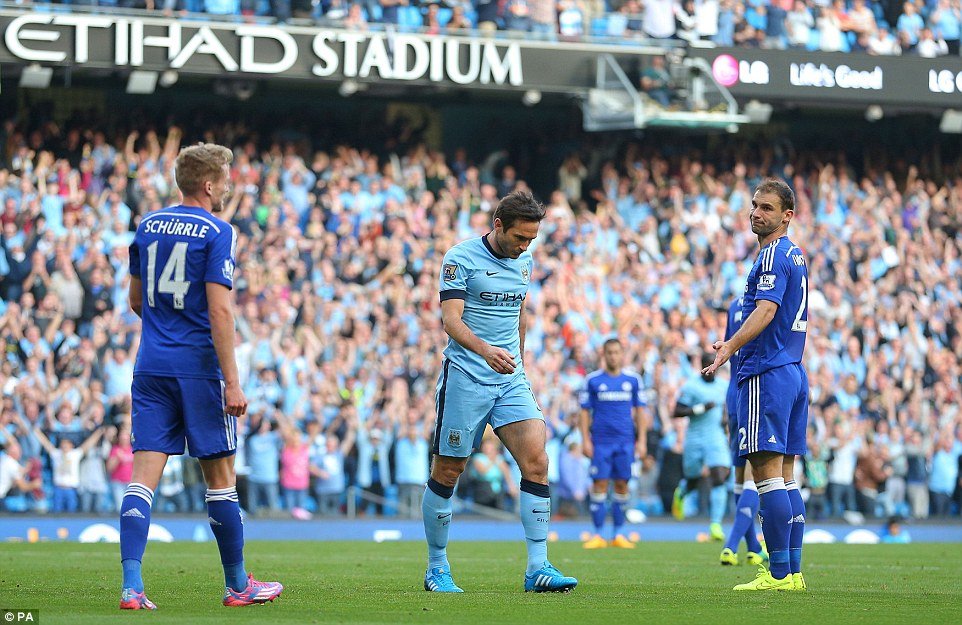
(450,272)
(454,438)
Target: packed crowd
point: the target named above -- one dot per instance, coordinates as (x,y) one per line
(339,332)
(927,28)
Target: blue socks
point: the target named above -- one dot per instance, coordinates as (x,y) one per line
(224,517)
(798,527)
(618,512)
(776,512)
(599,510)
(743,520)
(436,511)
(717,503)
(535,517)
(751,533)
(134,523)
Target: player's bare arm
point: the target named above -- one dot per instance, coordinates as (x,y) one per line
(641,427)
(135,296)
(498,359)
(522,325)
(755,324)
(222,331)
(584,422)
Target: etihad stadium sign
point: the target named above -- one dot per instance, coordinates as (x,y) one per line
(117,41)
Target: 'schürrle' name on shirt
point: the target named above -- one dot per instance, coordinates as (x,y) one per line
(176,227)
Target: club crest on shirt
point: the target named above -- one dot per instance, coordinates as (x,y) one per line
(449,272)
(766,282)
(454,438)
(626,386)
(228,269)
(524,275)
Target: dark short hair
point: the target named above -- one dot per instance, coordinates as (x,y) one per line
(614,340)
(518,206)
(780,188)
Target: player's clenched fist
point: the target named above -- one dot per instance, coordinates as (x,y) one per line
(499,359)
(234,400)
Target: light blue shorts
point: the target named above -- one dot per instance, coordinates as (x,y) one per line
(465,407)
(699,453)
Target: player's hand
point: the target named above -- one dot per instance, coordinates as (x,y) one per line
(723,352)
(499,359)
(710,405)
(235,404)
(588,448)
(641,449)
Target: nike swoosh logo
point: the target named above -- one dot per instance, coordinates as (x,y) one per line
(491,273)
(536,511)
(443,516)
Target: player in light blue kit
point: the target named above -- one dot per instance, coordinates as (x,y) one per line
(705,445)
(746,494)
(772,383)
(483,285)
(614,430)
(186,387)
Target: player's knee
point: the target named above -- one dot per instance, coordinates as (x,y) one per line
(621,487)
(535,467)
(719,475)
(447,471)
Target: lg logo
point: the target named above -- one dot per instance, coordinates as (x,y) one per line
(728,70)
(944,81)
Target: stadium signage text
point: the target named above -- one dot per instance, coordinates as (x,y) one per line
(836,79)
(268,50)
(843,76)
(945,81)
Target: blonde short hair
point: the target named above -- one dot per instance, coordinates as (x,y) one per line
(200,163)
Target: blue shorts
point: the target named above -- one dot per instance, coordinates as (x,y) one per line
(731,406)
(773,412)
(612,461)
(465,407)
(705,452)
(167,412)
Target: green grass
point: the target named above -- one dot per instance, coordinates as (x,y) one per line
(355,582)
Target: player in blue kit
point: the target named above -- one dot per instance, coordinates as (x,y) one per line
(746,494)
(614,430)
(702,432)
(483,285)
(186,386)
(772,382)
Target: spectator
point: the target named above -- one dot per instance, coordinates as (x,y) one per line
(295,466)
(946,21)
(945,474)
(909,25)
(656,82)
(120,465)
(799,24)
(328,469)
(411,463)
(574,483)
(373,465)
(490,476)
(15,479)
(930,46)
(263,456)
(65,460)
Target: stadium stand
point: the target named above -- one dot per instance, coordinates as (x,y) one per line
(339,333)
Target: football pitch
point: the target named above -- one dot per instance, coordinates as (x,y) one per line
(365,582)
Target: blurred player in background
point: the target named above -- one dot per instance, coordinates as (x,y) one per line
(772,382)
(702,434)
(186,387)
(614,430)
(483,286)
(746,495)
